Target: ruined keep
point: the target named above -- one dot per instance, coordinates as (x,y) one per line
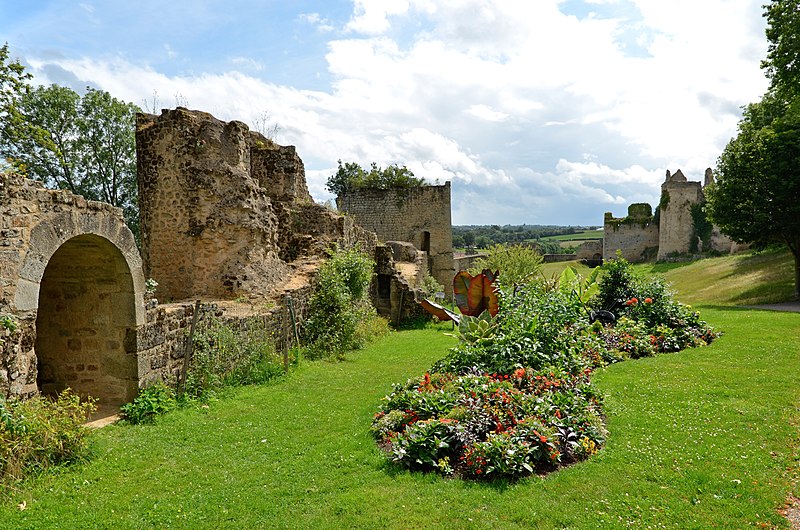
(226,219)
(643,236)
(419,215)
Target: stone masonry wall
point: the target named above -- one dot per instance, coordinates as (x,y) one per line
(420,216)
(71,282)
(636,235)
(676,227)
(208,227)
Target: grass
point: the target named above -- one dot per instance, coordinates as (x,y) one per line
(702,438)
(743,279)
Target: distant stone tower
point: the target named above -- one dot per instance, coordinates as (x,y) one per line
(676,228)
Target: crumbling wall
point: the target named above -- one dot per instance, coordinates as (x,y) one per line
(399,269)
(225,211)
(636,235)
(420,216)
(676,227)
(208,228)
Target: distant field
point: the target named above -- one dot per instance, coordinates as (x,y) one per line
(585,235)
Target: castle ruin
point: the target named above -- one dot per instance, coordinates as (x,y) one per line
(419,215)
(226,218)
(678,227)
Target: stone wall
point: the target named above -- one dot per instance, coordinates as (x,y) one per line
(420,216)
(676,227)
(71,280)
(225,211)
(590,250)
(636,235)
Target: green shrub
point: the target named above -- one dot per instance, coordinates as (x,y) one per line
(151,402)
(39,433)
(340,316)
(232,354)
(517,264)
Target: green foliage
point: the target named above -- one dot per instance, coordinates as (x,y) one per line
(13,86)
(83,144)
(151,402)
(701,227)
(488,235)
(429,285)
(517,264)
(615,285)
(340,315)
(352,176)
(231,354)
(782,64)
(757,194)
(39,433)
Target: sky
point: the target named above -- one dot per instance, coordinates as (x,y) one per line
(537,111)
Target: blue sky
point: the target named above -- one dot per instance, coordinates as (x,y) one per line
(545,112)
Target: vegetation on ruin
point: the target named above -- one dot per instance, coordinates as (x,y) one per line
(351,176)
(756,197)
(340,315)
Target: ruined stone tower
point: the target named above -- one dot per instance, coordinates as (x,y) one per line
(676,227)
(208,223)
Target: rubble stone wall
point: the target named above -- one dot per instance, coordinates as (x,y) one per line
(71,284)
(420,216)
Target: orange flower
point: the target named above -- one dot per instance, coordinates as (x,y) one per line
(648,300)
(519,373)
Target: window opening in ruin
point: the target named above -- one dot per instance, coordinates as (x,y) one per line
(426,242)
(384,286)
(86,308)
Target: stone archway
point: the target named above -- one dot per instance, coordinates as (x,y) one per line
(86,306)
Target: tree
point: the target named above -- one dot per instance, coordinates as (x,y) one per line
(13,85)
(782,64)
(757,194)
(83,144)
(352,176)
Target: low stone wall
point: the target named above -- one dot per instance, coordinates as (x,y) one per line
(162,341)
(553,258)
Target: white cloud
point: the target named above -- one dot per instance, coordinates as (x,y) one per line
(536,115)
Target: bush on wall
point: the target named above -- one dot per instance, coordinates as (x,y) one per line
(340,314)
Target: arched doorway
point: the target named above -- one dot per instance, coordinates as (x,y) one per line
(86,307)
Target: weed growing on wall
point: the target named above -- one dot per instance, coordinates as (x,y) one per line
(39,433)
(340,315)
(231,354)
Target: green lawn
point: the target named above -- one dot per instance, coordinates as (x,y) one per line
(698,439)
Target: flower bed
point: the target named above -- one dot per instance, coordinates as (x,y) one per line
(517,397)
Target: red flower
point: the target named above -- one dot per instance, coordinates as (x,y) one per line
(519,373)
(648,300)
(632,301)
